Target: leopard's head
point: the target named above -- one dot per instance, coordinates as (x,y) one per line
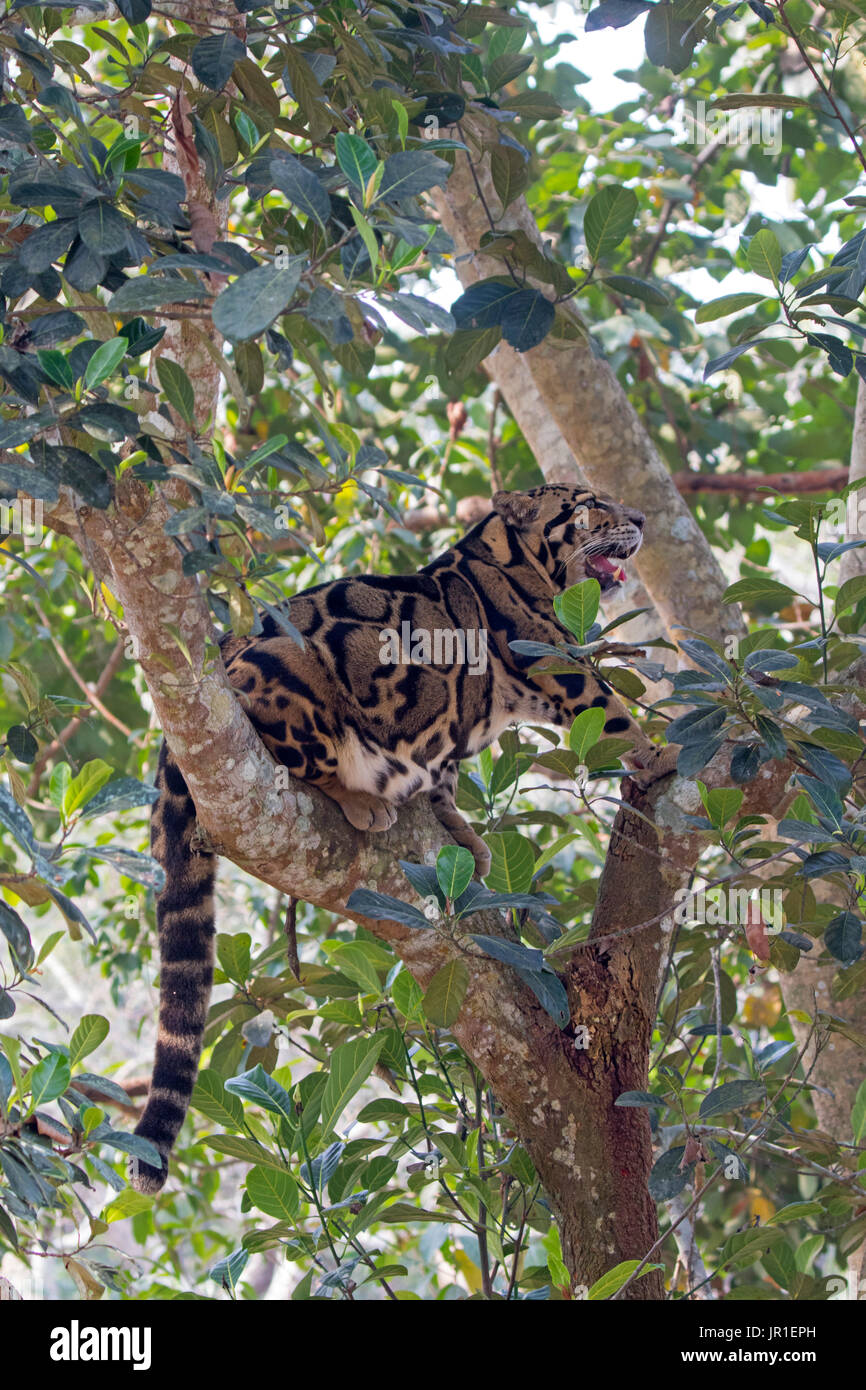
(574,534)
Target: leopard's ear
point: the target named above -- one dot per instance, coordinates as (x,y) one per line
(516,508)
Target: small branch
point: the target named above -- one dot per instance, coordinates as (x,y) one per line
(816,480)
(292,938)
(59,743)
(91,691)
(826,90)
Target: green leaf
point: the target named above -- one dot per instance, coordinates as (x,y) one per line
(851,592)
(526,320)
(577,607)
(92,776)
(273,1192)
(608,219)
(411,172)
(233,954)
(637,289)
(844,937)
(255,299)
(765,255)
(367,235)
(468,348)
(214,57)
(177,387)
(55,365)
(103,229)
(48,1079)
(858,1114)
(445,994)
(16,933)
(586,731)
(509,170)
(352,959)
(120,795)
(356,159)
(455,867)
(247,1149)
(721,803)
(382,907)
(127,1203)
(512,862)
(228,1271)
(407,995)
(728,304)
(90,1032)
(611,1282)
(260,1088)
(761,588)
(351,1064)
(302,188)
(733,1095)
(148,292)
(22,745)
(670,37)
(105,361)
(212,1099)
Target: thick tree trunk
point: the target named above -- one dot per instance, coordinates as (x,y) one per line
(568,402)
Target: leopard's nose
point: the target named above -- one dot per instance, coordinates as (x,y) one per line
(637,517)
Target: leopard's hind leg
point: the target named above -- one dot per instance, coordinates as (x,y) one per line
(442,799)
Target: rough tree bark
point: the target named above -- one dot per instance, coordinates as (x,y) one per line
(571,407)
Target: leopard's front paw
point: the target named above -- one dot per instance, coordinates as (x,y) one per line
(657,763)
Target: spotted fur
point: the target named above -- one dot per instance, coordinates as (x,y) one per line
(370,735)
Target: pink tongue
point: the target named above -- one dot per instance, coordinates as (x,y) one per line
(601,562)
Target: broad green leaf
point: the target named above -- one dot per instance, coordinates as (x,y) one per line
(351,1064)
(212,1099)
(90,1032)
(577,607)
(228,1271)
(92,776)
(352,959)
(611,1282)
(851,592)
(48,1079)
(765,255)
(670,36)
(256,298)
(608,219)
(356,159)
(728,304)
(273,1192)
(445,994)
(512,862)
(586,730)
(732,1095)
(213,58)
(105,361)
(260,1088)
(411,172)
(302,188)
(455,868)
(177,387)
(721,804)
(233,954)
(759,587)
(127,1203)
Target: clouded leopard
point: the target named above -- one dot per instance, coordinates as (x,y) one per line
(355,715)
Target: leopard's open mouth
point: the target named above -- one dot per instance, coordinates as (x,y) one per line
(607,570)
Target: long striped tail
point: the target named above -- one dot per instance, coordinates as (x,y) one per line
(185,917)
